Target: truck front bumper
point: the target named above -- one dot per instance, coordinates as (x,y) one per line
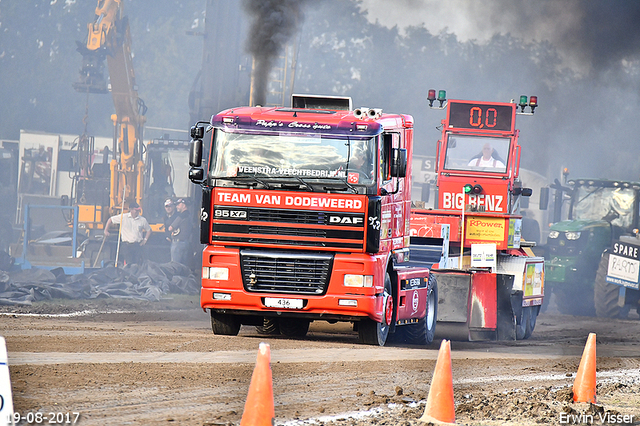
(338,302)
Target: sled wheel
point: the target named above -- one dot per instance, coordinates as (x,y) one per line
(521,323)
(531,324)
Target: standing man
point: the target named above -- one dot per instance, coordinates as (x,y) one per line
(134,232)
(169,217)
(181,230)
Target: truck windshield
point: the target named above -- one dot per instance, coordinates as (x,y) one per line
(293,156)
(477,153)
(614,205)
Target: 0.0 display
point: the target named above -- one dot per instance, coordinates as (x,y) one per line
(481,116)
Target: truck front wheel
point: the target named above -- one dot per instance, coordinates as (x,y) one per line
(375,333)
(294,327)
(226,325)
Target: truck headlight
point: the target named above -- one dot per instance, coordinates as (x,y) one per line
(554,234)
(214,273)
(352,280)
(572,235)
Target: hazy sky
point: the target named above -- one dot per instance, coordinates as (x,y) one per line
(582,30)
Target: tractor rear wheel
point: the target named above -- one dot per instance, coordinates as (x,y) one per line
(606,294)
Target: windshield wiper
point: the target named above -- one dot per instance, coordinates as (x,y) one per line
(237,180)
(302,181)
(348,186)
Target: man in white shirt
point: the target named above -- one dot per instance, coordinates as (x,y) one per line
(134,233)
(486,159)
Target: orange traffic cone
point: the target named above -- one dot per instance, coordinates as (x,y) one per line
(258,409)
(440,406)
(584,387)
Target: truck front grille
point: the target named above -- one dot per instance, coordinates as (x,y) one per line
(333,230)
(285,272)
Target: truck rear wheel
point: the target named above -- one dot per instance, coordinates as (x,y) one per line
(606,294)
(293,327)
(422,332)
(375,333)
(269,327)
(226,325)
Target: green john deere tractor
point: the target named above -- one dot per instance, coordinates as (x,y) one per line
(600,213)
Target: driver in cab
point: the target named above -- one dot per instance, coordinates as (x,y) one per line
(488,158)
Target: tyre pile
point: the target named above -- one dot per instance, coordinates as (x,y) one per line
(148,281)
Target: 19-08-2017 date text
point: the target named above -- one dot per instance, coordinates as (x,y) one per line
(51,418)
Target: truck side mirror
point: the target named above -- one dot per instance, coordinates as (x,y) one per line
(544,198)
(526,192)
(196,175)
(195,152)
(197,132)
(399,162)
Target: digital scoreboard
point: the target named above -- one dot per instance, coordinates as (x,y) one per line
(481,116)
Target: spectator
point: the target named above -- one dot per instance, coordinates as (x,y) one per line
(169,217)
(134,233)
(181,231)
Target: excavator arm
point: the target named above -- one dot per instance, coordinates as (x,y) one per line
(109,38)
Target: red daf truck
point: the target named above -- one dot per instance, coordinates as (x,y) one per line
(492,285)
(305,216)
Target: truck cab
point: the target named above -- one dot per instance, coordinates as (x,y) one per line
(305,217)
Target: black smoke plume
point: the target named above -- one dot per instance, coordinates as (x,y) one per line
(273,23)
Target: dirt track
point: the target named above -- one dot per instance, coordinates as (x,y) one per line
(159,363)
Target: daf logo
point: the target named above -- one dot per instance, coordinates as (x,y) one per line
(346,220)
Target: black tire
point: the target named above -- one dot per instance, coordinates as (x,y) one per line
(422,332)
(531,324)
(606,294)
(521,323)
(375,333)
(269,327)
(293,327)
(225,325)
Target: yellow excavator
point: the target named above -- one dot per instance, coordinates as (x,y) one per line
(109,38)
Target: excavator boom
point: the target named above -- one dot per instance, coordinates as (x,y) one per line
(109,37)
